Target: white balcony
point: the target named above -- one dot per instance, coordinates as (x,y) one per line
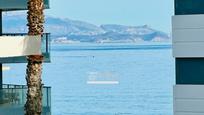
(45,48)
(14,46)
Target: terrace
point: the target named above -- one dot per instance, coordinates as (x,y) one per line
(13,98)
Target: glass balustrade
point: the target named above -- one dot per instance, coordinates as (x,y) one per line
(11,5)
(13,98)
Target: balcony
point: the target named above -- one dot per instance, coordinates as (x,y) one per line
(45,48)
(9,5)
(13,98)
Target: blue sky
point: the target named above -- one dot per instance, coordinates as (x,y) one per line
(155,13)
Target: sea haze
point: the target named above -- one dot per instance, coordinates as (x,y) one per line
(145,75)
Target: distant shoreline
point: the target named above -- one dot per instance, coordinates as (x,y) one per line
(113,42)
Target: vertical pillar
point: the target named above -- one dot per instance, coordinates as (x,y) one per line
(1,67)
(188,50)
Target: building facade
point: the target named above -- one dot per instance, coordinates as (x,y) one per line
(13,97)
(188,50)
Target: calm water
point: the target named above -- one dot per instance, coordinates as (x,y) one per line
(145,73)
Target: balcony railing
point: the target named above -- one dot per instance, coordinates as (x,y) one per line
(13,98)
(10,5)
(45,47)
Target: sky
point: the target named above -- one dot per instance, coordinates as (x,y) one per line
(155,13)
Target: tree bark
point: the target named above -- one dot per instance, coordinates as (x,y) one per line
(35,19)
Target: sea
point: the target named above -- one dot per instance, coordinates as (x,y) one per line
(107,79)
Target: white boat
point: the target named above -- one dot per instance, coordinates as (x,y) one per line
(102,78)
(6,68)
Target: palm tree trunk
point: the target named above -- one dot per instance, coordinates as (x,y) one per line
(35,19)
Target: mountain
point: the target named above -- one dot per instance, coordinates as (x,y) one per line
(64,30)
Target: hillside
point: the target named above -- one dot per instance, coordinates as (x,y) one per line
(64,30)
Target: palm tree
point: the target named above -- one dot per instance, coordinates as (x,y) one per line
(35,19)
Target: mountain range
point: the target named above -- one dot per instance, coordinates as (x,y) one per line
(63,30)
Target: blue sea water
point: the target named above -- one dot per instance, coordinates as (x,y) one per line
(145,73)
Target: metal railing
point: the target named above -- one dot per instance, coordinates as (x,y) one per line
(6,5)
(14,96)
